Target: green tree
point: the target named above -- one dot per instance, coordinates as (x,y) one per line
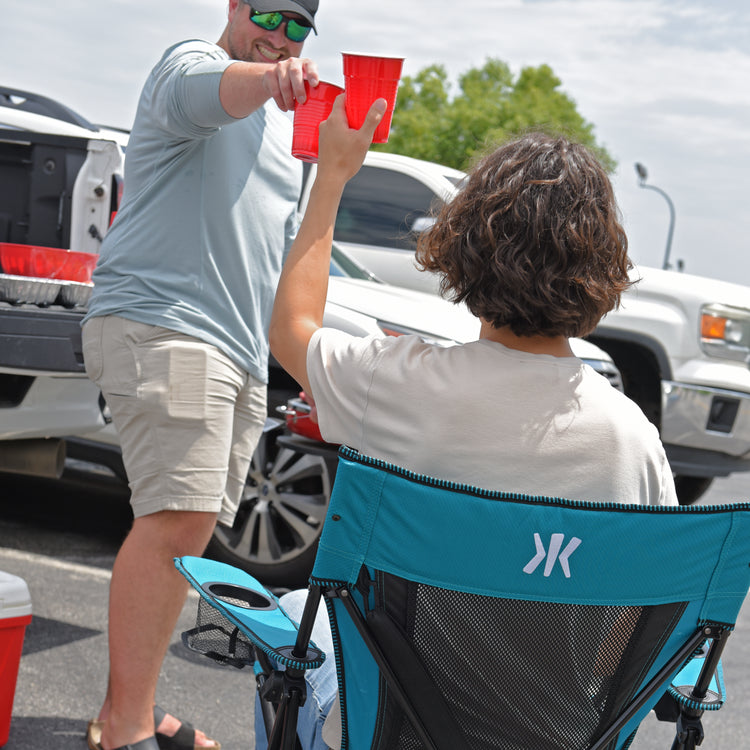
(490,107)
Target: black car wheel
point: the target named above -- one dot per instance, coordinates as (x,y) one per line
(275,534)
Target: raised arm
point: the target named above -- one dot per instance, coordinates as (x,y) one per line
(301,294)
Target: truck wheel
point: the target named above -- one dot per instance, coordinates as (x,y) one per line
(275,534)
(690,489)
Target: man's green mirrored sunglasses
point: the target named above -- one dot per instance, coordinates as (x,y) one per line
(296,30)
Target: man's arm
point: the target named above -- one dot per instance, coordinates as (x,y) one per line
(303,286)
(246,86)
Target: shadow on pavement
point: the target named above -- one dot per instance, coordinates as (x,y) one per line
(43,634)
(46,731)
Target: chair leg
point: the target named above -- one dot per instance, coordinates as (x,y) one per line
(289,739)
(689,732)
(283,736)
(283,722)
(266,707)
(689,727)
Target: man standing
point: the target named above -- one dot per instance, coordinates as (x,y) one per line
(176,333)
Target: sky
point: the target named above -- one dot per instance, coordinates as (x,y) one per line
(664,82)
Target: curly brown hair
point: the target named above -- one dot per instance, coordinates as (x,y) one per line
(533,240)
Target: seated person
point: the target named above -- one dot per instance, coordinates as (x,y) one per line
(532,244)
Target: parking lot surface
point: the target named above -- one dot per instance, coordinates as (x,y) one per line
(63,671)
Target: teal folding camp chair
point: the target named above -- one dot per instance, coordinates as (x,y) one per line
(466,618)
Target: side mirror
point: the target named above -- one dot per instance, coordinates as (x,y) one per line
(421,223)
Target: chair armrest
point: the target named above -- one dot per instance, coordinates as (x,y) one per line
(247,605)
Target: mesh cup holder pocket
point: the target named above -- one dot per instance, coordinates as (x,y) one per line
(214,635)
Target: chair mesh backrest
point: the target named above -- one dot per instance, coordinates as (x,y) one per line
(536,619)
(475,648)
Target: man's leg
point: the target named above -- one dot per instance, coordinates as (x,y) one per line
(146,597)
(173,401)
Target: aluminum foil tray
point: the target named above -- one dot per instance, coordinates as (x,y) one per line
(75,293)
(19,290)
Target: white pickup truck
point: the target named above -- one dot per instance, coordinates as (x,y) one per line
(60,179)
(681,343)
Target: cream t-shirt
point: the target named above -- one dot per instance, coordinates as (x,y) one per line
(486,415)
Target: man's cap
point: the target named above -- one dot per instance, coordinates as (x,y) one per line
(306,8)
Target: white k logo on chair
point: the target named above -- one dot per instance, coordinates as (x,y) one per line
(554,554)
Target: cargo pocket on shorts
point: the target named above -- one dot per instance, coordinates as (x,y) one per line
(188,374)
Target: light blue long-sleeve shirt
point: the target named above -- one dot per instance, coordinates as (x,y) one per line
(209,211)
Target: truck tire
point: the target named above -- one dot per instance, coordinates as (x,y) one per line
(691,489)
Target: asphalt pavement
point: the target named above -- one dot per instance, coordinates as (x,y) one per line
(64,546)
(62,540)
(63,671)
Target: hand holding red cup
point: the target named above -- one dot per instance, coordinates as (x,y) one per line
(308,116)
(367,78)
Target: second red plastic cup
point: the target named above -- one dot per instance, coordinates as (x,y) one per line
(309,115)
(367,78)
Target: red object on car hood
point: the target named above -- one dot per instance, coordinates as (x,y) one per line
(46,262)
(299,420)
(301,424)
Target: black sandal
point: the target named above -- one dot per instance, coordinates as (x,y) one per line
(182,739)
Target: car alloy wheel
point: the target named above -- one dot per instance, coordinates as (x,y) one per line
(275,534)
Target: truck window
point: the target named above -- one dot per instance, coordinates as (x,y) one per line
(379,207)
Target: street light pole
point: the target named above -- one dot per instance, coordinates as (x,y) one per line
(642,173)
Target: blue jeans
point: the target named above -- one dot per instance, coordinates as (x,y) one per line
(322,683)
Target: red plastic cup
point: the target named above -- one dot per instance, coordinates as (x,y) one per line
(367,78)
(308,116)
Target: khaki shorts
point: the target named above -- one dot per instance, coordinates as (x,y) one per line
(187,416)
